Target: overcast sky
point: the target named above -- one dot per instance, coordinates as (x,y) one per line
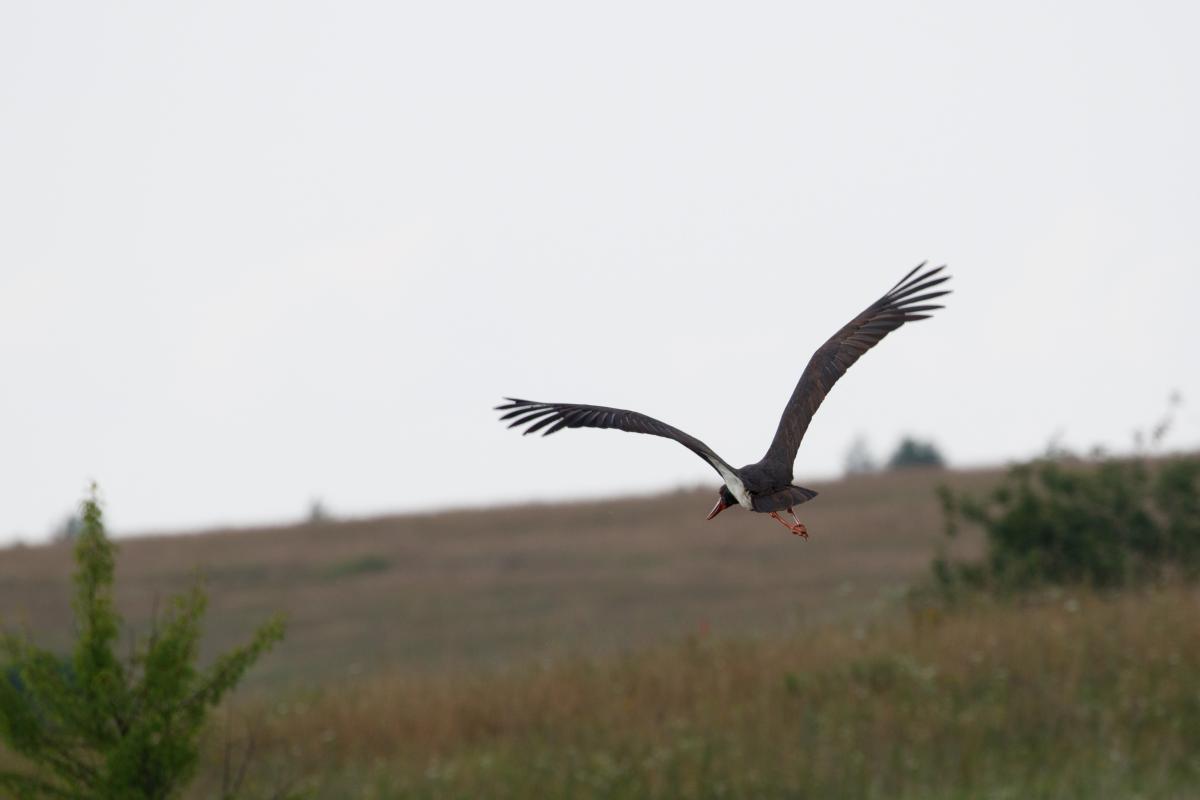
(257,253)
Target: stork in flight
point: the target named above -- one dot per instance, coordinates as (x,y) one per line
(765,486)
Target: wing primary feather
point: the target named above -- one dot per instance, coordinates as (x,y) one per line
(909,275)
(532,415)
(558,426)
(518,412)
(908,291)
(914,285)
(926,275)
(921,298)
(541,423)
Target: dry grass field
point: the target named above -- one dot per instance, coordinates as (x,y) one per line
(461,589)
(1068,695)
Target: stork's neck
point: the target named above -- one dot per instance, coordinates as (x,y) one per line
(736,487)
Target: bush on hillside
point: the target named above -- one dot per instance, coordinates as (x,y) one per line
(97,726)
(1107,523)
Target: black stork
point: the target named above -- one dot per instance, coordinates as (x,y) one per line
(765,486)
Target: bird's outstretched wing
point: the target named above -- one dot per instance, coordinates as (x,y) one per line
(906,302)
(572,415)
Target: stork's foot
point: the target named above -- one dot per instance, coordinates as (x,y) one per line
(796,526)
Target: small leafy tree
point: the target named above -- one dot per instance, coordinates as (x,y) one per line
(96,725)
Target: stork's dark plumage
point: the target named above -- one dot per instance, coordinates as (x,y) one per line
(765,486)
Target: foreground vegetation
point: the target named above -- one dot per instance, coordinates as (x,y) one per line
(1012,676)
(1064,694)
(620,651)
(94,725)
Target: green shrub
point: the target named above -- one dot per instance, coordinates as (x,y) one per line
(98,726)
(1109,523)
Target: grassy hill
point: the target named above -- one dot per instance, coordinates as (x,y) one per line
(463,589)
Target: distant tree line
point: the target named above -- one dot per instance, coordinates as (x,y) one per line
(910,452)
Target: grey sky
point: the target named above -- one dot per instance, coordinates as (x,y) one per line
(254,253)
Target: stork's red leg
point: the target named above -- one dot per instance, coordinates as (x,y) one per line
(797,529)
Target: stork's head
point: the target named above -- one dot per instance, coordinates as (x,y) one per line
(725,499)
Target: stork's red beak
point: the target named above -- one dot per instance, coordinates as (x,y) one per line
(718,508)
